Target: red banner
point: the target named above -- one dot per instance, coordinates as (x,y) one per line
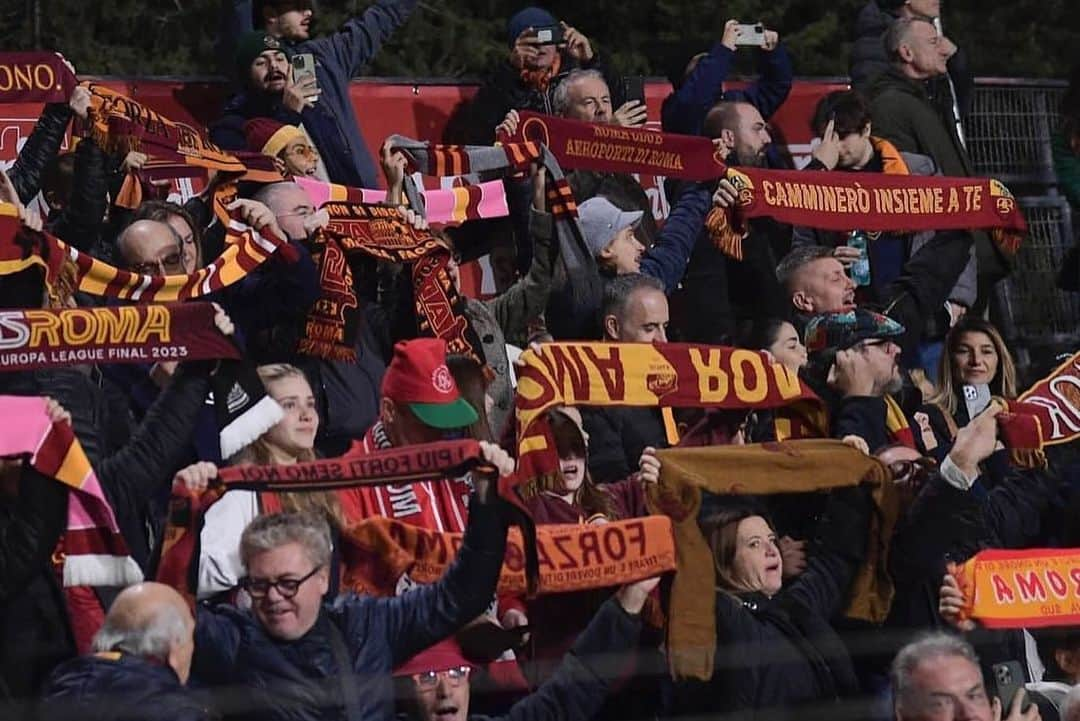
(40,338)
(35,78)
(1057,397)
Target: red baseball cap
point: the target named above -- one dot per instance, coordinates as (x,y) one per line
(419,377)
(445,654)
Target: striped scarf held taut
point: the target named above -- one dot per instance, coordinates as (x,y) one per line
(21,248)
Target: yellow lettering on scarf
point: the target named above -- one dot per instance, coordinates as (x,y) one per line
(712,379)
(746,393)
(157,323)
(43,325)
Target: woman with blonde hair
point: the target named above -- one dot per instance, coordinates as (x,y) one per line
(975,354)
(290,441)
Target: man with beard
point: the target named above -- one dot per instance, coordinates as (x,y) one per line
(321,103)
(720,293)
(854,368)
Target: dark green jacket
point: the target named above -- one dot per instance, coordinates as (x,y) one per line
(902,113)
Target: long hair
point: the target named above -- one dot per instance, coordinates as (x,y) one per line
(569,442)
(259,452)
(721,530)
(1004,381)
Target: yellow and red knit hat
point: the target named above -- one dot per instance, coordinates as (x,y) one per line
(268,136)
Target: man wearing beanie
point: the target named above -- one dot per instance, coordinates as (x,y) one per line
(324,107)
(527,79)
(288,145)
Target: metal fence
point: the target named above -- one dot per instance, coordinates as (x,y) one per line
(1008,136)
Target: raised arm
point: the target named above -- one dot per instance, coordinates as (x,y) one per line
(667,259)
(357,43)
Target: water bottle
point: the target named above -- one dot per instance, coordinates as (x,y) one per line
(860,269)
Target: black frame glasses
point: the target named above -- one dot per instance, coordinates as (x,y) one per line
(287,587)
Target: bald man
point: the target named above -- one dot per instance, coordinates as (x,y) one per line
(142,662)
(151,247)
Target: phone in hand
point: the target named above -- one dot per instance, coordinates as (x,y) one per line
(1008,680)
(751,34)
(976,398)
(303,65)
(550,35)
(633,87)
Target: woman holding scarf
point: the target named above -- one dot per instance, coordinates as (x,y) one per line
(290,441)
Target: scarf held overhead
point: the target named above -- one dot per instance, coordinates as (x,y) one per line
(95,552)
(35,77)
(675,375)
(378,551)
(1056,400)
(819,199)
(41,338)
(378,231)
(1032,588)
(245,250)
(789,467)
(384,467)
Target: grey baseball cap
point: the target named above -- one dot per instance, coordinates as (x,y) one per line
(601,220)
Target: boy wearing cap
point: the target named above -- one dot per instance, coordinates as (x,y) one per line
(437,679)
(288,145)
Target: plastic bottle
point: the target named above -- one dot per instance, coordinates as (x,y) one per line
(860,269)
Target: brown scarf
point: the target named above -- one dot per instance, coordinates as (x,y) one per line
(793,466)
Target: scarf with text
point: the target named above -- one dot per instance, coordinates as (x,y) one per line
(22,248)
(820,199)
(42,338)
(443,207)
(673,375)
(378,231)
(378,551)
(35,77)
(95,552)
(382,467)
(1030,588)
(791,467)
(120,125)
(510,160)
(1055,400)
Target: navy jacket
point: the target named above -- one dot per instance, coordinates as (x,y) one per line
(294,680)
(684,110)
(114,686)
(332,123)
(582,682)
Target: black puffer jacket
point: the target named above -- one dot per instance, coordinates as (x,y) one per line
(116,686)
(40,148)
(33,619)
(79,223)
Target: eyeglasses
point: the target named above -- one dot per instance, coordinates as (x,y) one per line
(170,263)
(913,473)
(428,680)
(874,342)
(287,587)
(304,151)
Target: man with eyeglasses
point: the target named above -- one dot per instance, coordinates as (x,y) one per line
(150,247)
(292,657)
(437,681)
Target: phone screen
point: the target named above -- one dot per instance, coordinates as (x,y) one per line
(976,398)
(634,88)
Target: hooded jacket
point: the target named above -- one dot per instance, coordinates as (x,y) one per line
(332,124)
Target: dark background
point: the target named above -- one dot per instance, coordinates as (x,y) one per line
(461,38)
